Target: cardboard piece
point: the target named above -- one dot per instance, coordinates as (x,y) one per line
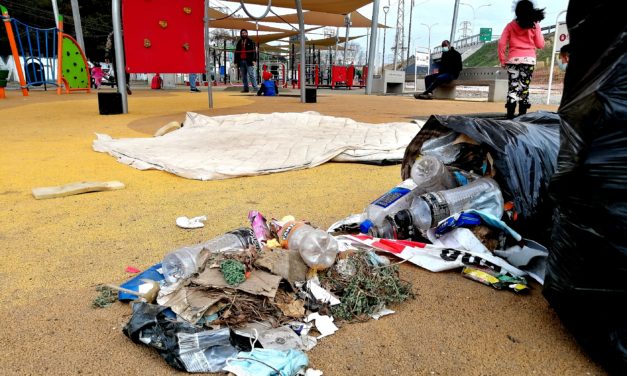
(283,262)
(76,188)
(190,303)
(259,283)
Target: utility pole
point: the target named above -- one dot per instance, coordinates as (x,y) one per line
(429,44)
(411,11)
(385,32)
(454,24)
(347,23)
(400,33)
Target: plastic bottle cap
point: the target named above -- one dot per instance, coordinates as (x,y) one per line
(365,226)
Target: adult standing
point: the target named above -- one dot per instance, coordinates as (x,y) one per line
(448,70)
(521,37)
(193,81)
(245,59)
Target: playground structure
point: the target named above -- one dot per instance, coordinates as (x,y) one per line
(164,10)
(332,76)
(46,57)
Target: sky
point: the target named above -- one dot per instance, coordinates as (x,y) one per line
(493,14)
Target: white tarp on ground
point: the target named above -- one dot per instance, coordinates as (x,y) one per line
(222,147)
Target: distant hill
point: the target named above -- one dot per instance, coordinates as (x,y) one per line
(487,56)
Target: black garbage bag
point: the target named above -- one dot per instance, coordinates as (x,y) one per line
(586,277)
(524,153)
(184,346)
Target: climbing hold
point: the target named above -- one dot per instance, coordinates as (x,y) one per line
(186,46)
(147,43)
(187,10)
(163,24)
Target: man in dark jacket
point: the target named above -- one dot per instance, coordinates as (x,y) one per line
(449,68)
(245,58)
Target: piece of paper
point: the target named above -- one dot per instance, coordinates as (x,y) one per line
(322,295)
(259,283)
(324,324)
(190,223)
(382,312)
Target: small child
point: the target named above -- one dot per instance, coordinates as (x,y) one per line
(268,87)
(97,74)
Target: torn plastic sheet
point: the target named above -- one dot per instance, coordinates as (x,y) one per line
(432,258)
(322,295)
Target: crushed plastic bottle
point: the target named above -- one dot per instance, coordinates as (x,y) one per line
(428,209)
(183,262)
(428,174)
(317,247)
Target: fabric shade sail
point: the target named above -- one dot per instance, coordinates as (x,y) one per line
(326,6)
(322,19)
(221,20)
(328,42)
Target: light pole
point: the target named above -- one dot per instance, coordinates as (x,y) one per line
(474,14)
(385,32)
(429,44)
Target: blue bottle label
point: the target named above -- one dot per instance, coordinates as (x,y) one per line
(391,197)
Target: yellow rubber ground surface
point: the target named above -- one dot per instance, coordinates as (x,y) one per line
(55,252)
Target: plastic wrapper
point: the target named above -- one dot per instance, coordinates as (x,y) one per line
(587,266)
(183,346)
(521,155)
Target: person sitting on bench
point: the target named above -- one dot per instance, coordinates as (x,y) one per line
(449,68)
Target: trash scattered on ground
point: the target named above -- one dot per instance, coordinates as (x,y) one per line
(132,269)
(75,189)
(253,300)
(191,223)
(105,298)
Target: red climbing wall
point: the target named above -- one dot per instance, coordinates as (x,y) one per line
(163,36)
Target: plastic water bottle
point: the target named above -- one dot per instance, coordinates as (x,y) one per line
(428,174)
(431,175)
(430,208)
(317,247)
(184,262)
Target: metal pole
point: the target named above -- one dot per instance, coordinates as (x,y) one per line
(120,69)
(373,45)
(55,10)
(453,25)
(548,94)
(78,29)
(347,22)
(207,58)
(411,11)
(385,33)
(301,25)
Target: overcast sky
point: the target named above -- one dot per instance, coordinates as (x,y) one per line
(493,14)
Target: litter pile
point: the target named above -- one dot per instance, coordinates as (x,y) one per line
(252,301)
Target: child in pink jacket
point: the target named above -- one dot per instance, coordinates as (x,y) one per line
(97,74)
(523,36)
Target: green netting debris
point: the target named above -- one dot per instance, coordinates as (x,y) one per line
(367,290)
(106,297)
(234,272)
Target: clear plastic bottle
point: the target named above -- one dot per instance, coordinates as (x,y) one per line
(395,199)
(428,174)
(317,247)
(183,262)
(430,208)
(431,175)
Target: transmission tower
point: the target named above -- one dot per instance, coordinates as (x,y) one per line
(399,43)
(465,28)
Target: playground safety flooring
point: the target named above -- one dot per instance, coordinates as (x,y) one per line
(56,251)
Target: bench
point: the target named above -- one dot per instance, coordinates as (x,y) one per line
(494,78)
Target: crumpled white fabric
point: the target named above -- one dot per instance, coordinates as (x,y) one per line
(189,223)
(222,147)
